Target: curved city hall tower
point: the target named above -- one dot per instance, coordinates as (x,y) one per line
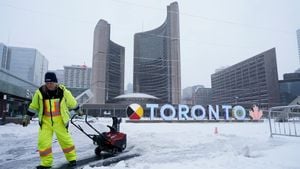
(108,66)
(157,59)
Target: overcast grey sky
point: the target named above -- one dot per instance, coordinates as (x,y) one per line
(214,33)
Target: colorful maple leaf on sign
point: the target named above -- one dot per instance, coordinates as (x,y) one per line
(256,114)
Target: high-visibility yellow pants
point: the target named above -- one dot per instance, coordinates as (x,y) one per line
(45,140)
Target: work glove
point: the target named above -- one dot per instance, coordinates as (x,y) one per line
(79,112)
(26,120)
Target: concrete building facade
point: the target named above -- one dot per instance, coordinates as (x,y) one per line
(77,76)
(157,69)
(197,95)
(3,56)
(202,96)
(15,95)
(188,94)
(26,63)
(107,79)
(252,81)
(298,39)
(289,88)
(60,74)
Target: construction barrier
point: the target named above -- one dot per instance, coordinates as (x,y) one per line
(285,120)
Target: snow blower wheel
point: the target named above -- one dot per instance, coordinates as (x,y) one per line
(98,151)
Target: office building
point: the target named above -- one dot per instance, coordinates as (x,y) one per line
(108,66)
(188,94)
(197,95)
(60,74)
(289,88)
(27,63)
(77,76)
(203,96)
(298,39)
(252,81)
(3,56)
(157,60)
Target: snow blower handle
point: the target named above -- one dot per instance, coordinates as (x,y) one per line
(79,127)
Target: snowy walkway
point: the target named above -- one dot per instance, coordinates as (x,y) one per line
(168,145)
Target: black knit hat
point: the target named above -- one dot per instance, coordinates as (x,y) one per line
(50,77)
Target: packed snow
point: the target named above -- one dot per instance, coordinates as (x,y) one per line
(166,145)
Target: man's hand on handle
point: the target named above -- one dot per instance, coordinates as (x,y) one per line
(79,112)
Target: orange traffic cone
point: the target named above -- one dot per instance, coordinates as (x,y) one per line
(216,130)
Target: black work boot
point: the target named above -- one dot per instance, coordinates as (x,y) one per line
(72,163)
(43,167)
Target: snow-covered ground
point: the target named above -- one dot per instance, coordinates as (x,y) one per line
(167,145)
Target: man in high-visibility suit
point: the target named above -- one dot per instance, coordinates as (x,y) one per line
(52,102)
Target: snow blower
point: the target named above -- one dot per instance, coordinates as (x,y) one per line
(112,142)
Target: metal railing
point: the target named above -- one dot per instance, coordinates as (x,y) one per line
(84,97)
(285,120)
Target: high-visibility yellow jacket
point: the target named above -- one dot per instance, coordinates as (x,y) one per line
(67,102)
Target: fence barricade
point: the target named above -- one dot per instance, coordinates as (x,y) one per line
(285,120)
